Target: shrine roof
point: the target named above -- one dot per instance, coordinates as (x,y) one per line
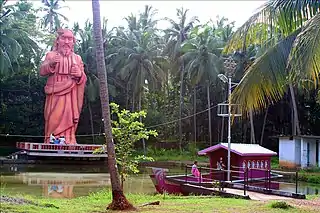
(240,149)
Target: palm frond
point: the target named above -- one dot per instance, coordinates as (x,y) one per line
(266,79)
(305,57)
(277,17)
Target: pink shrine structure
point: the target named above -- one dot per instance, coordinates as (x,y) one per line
(252,156)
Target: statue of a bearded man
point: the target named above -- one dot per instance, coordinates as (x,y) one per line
(64,89)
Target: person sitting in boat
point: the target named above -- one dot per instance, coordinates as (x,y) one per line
(62,140)
(52,138)
(194,170)
(220,164)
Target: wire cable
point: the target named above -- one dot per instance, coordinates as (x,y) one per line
(102,134)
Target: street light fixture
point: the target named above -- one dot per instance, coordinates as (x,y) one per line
(230,67)
(223,78)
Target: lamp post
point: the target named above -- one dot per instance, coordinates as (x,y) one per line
(230,67)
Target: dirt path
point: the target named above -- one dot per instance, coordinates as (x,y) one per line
(257,196)
(313,205)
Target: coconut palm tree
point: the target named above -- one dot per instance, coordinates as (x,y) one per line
(176,35)
(203,65)
(288,35)
(141,63)
(13,39)
(119,201)
(52,18)
(85,48)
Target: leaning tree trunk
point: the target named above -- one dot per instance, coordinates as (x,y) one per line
(181,105)
(252,136)
(119,201)
(194,115)
(209,114)
(91,120)
(133,100)
(51,26)
(296,130)
(127,96)
(264,125)
(140,119)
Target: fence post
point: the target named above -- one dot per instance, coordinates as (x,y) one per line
(296,182)
(269,179)
(266,179)
(245,181)
(186,173)
(220,179)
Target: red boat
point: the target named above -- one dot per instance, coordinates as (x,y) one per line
(186,185)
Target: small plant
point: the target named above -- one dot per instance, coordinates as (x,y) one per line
(127,130)
(280,205)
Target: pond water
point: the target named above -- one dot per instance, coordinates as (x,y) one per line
(74,181)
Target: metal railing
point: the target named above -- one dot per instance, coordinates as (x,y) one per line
(221,174)
(244,178)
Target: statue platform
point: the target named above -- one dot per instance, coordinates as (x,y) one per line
(56,150)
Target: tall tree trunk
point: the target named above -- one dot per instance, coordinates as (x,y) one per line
(244,132)
(209,114)
(252,135)
(293,124)
(181,104)
(91,120)
(119,201)
(140,119)
(127,96)
(264,125)
(296,130)
(194,115)
(133,100)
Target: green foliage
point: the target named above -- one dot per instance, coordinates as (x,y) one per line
(127,130)
(17,36)
(280,205)
(275,162)
(310,176)
(160,154)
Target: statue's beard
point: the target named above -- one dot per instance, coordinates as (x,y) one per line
(65,50)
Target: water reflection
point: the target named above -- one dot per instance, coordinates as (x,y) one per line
(19,179)
(58,191)
(303,188)
(59,185)
(54,181)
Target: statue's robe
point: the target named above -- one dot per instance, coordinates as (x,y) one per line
(64,97)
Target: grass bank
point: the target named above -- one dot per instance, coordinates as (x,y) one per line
(97,202)
(188,155)
(311,175)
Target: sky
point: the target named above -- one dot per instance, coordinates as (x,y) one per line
(115,11)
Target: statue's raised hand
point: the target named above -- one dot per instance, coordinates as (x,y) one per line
(75,71)
(56,59)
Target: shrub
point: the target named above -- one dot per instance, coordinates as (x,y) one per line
(280,205)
